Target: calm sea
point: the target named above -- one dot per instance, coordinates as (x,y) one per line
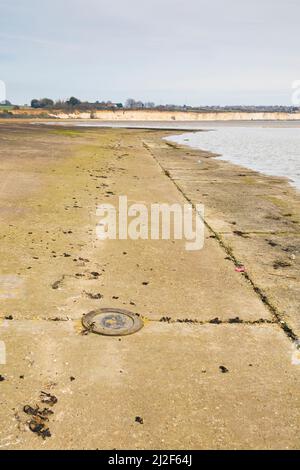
(273,151)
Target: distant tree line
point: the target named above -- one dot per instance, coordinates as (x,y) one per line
(43,103)
(5,103)
(133,104)
(74,103)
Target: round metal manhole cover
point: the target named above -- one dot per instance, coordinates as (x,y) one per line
(112,322)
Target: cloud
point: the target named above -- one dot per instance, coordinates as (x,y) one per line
(161,50)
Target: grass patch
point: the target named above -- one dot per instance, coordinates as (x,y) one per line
(5,107)
(276,201)
(67,132)
(249,180)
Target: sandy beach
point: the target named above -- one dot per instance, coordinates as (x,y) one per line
(215,366)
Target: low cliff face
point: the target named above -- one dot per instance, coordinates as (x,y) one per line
(153,115)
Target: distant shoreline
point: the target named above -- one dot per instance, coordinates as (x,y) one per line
(151,115)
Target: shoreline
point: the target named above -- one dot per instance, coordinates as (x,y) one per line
(165,125)
(178,139)
(237,166)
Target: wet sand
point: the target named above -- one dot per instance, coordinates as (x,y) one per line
(200,314)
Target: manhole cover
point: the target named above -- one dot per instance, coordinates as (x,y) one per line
(112,322)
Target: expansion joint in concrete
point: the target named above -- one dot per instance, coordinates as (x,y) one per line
(278,317)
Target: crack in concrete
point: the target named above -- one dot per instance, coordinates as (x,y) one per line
(225,232)
(273,310)
(165,319)
(218,321)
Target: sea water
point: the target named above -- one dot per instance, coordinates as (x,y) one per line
(271,150)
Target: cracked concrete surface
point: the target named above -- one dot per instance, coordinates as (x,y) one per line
(200,314)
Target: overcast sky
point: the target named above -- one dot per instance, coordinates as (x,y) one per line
(168,51)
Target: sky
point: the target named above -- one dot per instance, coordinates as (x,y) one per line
(194,52)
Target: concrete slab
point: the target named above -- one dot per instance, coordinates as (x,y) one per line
(169,375)
(54,244)
(256,216)
(191,385)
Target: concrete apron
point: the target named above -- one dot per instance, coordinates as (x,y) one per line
(194,384)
